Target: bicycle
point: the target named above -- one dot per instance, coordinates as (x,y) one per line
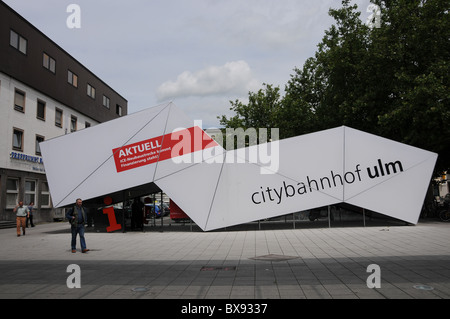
(444,215)
(431,208)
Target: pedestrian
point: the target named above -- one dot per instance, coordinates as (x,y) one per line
(30,218)
(137,210)
(22,213)
(77,217)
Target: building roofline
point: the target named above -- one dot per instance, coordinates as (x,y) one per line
(60,48)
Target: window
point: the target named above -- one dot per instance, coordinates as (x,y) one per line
(73,123)
(30,192)
(19,100)
(40,112)
(18,42)
(18,140)
(91,91)
(45,195)
(12,192)
(87,124)
(49,63)
(58,117)
(118,110)
(14,39)
(106,101)
(39,139)
(72,78)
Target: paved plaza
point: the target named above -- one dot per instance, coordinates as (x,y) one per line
(278,263)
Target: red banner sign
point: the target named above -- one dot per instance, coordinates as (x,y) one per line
(161,148)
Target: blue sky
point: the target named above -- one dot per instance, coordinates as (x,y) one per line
(200,54)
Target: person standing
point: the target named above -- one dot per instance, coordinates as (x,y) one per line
(137,214)
(22,213)
(31,210)
(77,217)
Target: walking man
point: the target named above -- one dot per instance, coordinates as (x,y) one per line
(22,213)
(77,217)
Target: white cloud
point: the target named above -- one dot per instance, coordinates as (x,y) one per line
(233,77)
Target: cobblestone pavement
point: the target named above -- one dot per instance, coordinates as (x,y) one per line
(301,263)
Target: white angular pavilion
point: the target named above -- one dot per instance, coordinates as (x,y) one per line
(161,148)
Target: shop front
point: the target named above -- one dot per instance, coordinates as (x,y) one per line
(23,178)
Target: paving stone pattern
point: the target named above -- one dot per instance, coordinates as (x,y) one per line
(301,263)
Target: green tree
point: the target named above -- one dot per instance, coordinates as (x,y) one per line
(260,112)
(391,80)
(330,86)
(415,40)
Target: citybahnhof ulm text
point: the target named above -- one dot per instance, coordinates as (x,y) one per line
(290,189)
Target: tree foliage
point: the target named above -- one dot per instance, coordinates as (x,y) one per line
(391,80)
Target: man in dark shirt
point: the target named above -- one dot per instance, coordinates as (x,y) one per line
(77,218)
